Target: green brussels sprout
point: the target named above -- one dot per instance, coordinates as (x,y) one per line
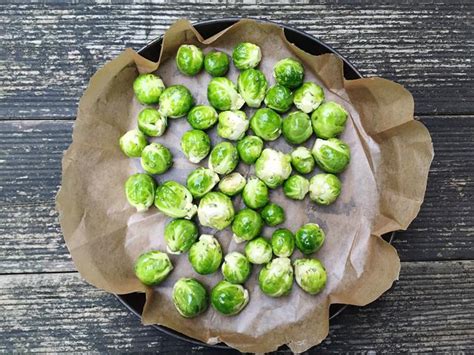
(246,55)
(329,120)
(266,124)
(140,191)
(228,298)
(273,167)
(250,148)
(132,143)
(255,193)
(200,181)
(216,63)
(156,158)
(196,145)
(332,155)
(236,268)
(324,189)
(232,125)
(309,238)
(297,127)
(189,297)
(279,98)
(174,200)
(273,214)
(202,117)
(152,267)
(148,88)
(224,158)
(151,122)
(180,234)
(289,72)
(222,94)
(252,86)
(276,278)
(302,160)
(205,255)
(189,59)
(310,275)
(232,184)
(247,225)
(259,251)
(283,243)
(308,97)
(176,101)
(296,187)
(215,210)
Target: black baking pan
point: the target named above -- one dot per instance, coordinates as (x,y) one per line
(135,301)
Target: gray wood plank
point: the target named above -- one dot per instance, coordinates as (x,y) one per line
(49,52)
(429,309)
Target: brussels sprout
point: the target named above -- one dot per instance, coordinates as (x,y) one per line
(236,268)
(148,88)
(273,214)
(258,251)
(246,55)
(222,94)
(180,234)
(302,160)
(296,187)
(152,267)
(176,101)
(205,255)
(266,124)
(216,63)
(140,191)
(250,148)
(279,98)
(232,124)
(276,278)
(229,299)
(273,167)
(252,86)
(288,72)
(309,238)
(224,158)
(332,155)
(310,275)
(297,127)
(189,59)
(308,97)
(215,210)
(247,225)
(132,143)
(283,243)
(189,297)
(232,184)
(196,145)
(255,194)
(202,117)
(151,122)
(201,181)
(324,189)
(174,200)
(156,158)
(329,120)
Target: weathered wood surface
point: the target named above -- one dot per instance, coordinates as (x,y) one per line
(429,310)
(49,51)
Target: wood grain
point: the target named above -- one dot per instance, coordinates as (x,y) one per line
(50,51)
(429,310)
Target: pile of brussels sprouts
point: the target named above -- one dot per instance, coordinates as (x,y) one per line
(215,185)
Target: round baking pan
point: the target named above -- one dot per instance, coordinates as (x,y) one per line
(135,301)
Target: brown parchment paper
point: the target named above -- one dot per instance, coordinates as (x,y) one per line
(383,189)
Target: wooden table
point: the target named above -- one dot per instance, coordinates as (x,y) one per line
(49,51)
